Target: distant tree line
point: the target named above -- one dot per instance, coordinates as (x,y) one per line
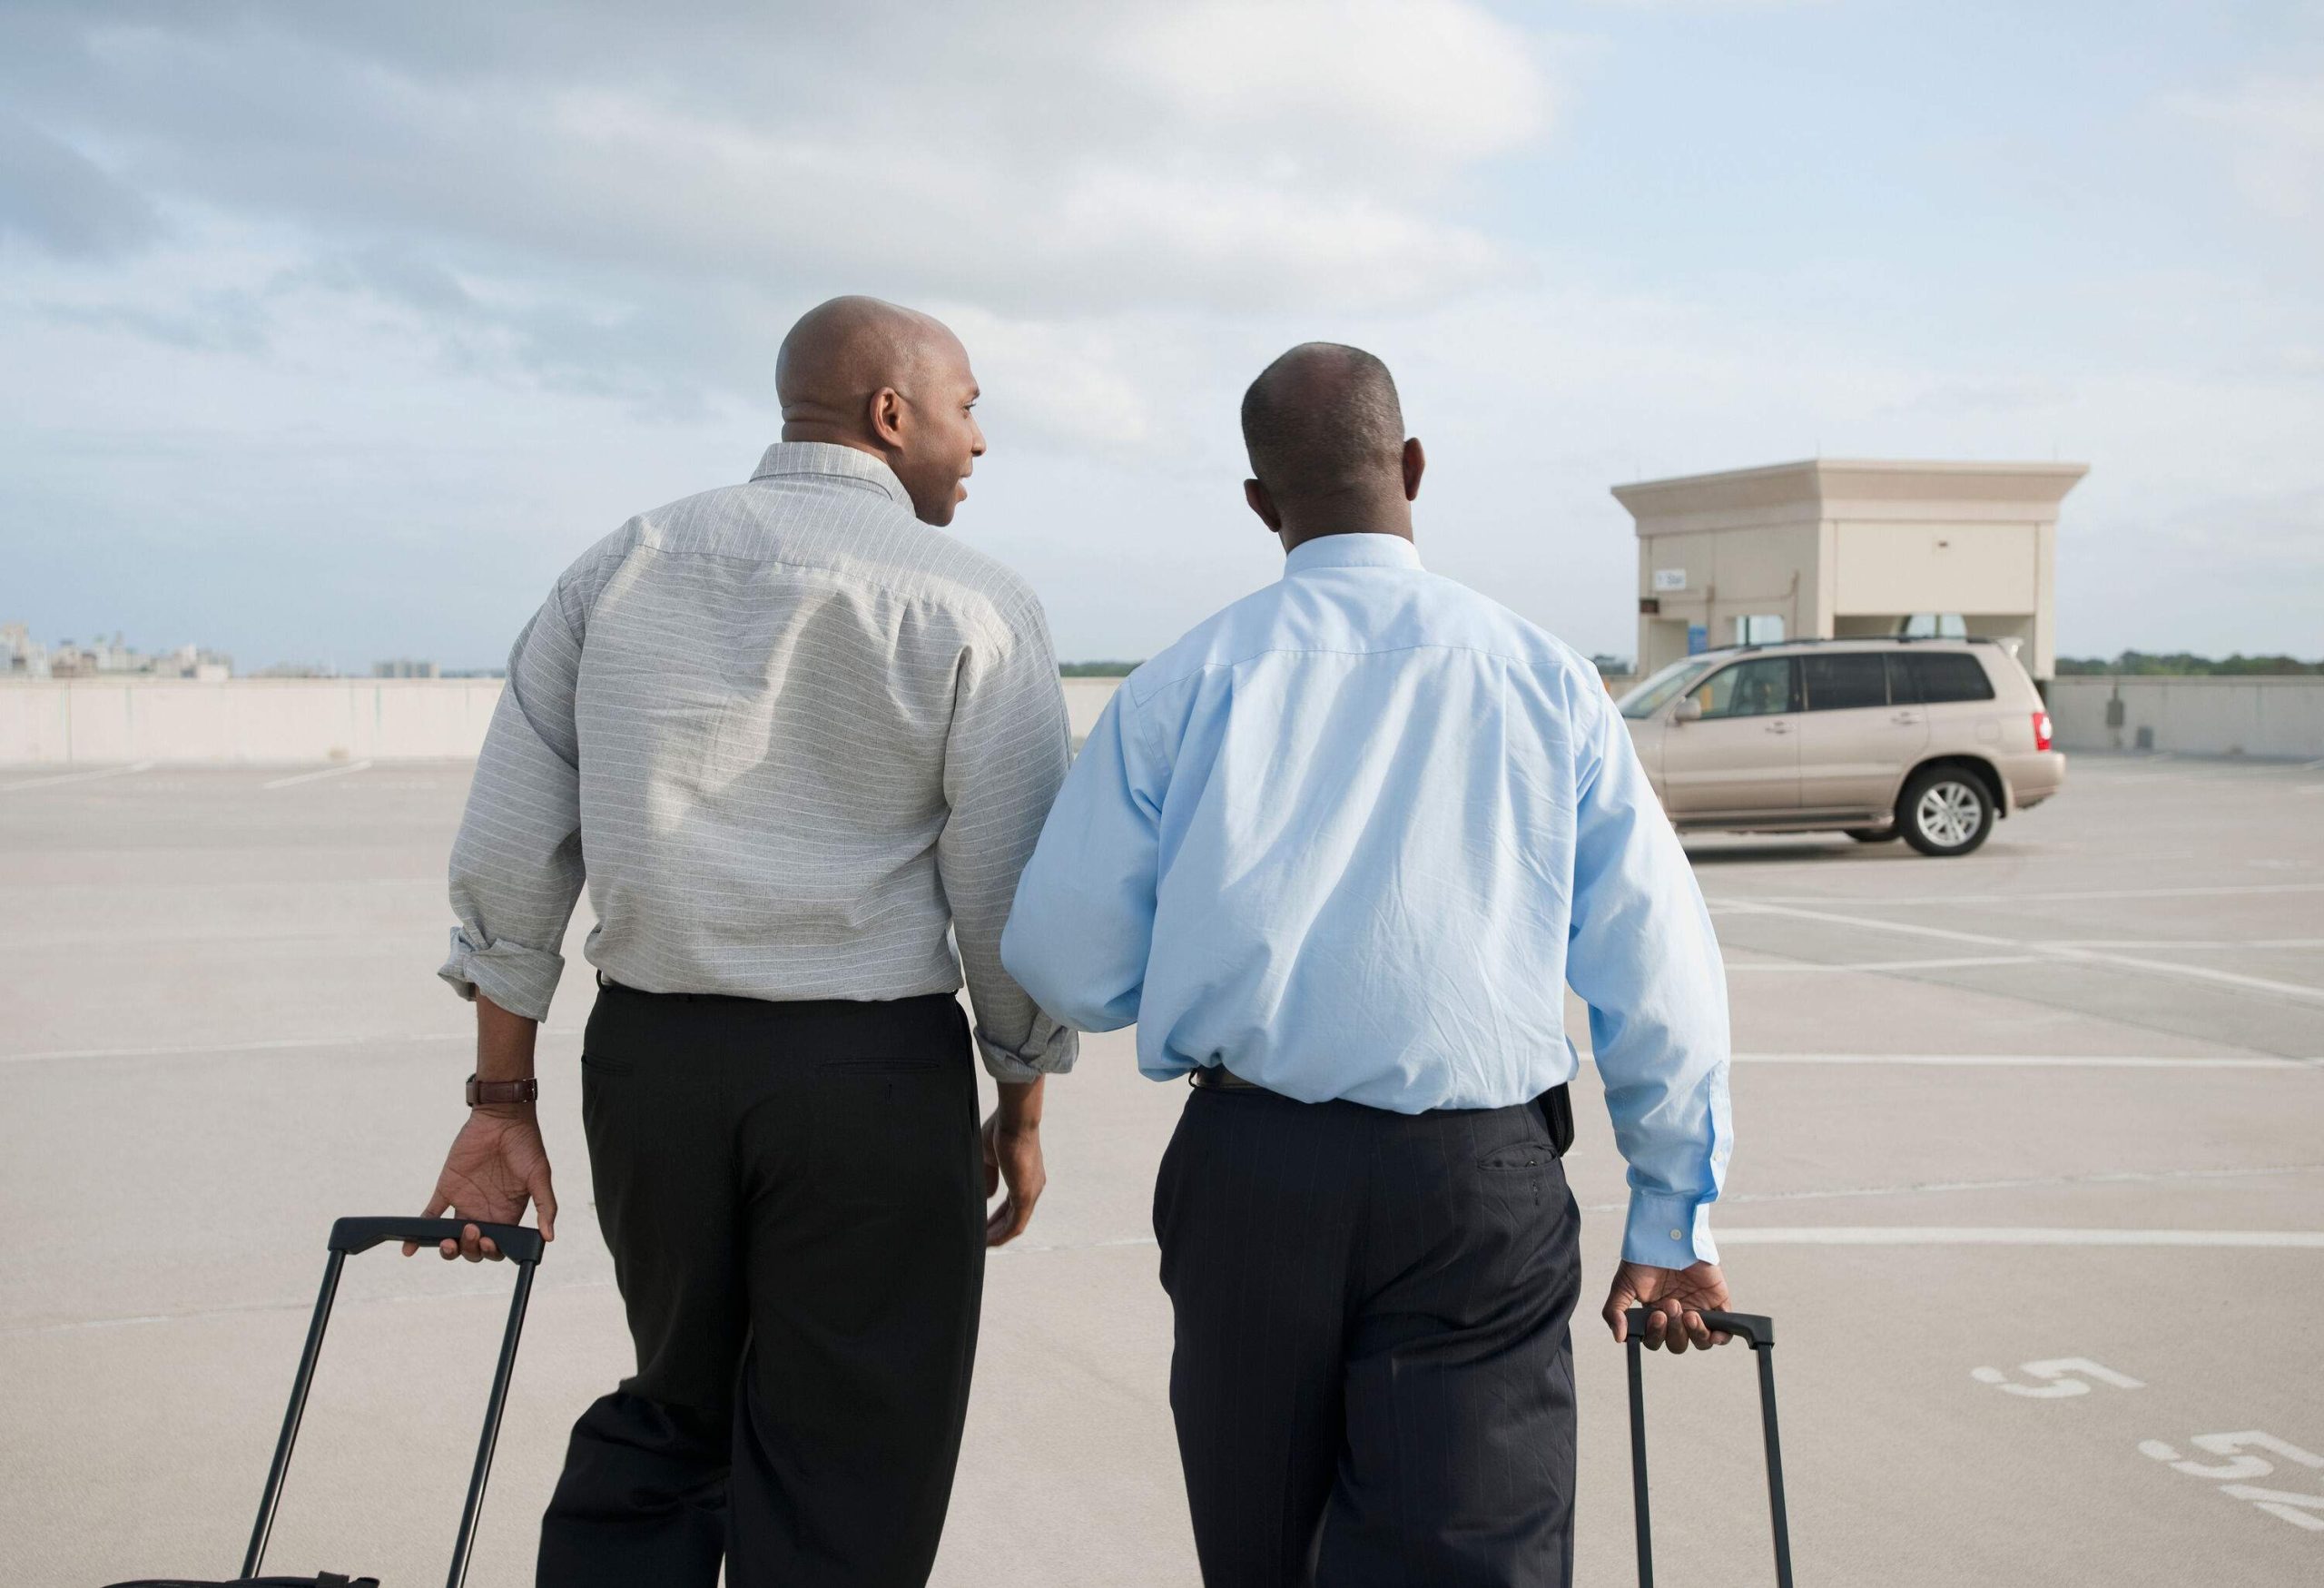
(2181,664)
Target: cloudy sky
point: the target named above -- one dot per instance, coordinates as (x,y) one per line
(332,332)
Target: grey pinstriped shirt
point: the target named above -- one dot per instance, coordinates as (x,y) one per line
(789,735)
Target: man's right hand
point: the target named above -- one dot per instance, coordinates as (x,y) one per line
(1675,1300)
(1012,1156)
(497,1166)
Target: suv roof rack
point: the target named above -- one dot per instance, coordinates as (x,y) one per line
(1857,639)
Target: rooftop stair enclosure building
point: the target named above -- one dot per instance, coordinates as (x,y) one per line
(1834,548)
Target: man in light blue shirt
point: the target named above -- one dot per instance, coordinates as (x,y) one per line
(1338,852)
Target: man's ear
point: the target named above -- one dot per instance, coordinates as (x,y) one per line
(1263,505)
(884,411)
(1415,464)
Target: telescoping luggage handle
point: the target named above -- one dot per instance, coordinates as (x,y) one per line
(350,1235)
(1759,1333)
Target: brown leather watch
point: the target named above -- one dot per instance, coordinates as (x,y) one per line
(502,1092)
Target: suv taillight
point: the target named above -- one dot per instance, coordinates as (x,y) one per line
(2041,730)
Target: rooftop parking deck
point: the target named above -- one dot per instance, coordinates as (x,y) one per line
(2029,1168)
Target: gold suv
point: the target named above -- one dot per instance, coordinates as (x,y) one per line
(1929,740)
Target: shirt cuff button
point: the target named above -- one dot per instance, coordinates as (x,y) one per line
(1676,1235)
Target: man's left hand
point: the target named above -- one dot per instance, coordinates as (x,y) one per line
(1675,1300)
(1012,1153)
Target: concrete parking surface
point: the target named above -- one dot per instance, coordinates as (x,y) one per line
(2029,1168)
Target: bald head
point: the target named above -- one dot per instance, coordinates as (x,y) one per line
(1322,420)
(889,380)
(842,352)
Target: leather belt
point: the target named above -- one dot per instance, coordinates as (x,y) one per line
(1555,1104)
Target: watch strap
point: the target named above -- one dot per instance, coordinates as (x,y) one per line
(503,1092)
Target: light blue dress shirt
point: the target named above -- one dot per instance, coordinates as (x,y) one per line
(1352,837)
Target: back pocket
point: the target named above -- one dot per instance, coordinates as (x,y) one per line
(846,1067)
(895,1132)
(1525,1155)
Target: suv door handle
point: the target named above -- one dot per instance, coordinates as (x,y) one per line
(1778,727)
(1906,719)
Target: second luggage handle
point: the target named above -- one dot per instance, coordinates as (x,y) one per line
(348,1237)
(1758,1331)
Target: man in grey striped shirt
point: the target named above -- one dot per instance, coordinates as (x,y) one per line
(798,744)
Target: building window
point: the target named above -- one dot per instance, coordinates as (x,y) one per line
(1759,628)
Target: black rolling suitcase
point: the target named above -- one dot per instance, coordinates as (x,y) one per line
(350,1235)
(1760,1334)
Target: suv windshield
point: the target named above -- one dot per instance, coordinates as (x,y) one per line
(1651,695)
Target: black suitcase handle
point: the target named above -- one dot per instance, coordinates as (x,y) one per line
(360,1235)
(1754,1329)
(348,1237)
(1759,1333)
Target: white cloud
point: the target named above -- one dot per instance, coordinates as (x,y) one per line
(1052,154)
(1407,84)
(642,218)
(2275,128)
(59,199)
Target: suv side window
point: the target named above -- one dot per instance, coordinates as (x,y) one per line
(1939,677)
(1846,680)
(1767,686)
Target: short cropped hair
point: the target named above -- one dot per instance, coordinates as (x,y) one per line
(1321,420)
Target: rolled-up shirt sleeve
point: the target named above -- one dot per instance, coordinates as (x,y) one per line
(1644,960)
(1083,928)
(516,865)
(1005,755)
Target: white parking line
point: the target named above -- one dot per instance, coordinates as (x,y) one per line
(2192,972)
(144,1319)
(2032,1060)
(2173,943)
(272,1045)
(1987,940)
(1904,928)
(51,782)
(314,776)
(2004,1235)
(2206,893)
(1874,967)
(2016,1183)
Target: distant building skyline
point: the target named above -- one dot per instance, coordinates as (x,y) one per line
(27,657)
(23,655)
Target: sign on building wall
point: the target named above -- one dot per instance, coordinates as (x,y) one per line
(1697,639)
(1669,578)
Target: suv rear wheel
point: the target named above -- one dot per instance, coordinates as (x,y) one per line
(1946,811)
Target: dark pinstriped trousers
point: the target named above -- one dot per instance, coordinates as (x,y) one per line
(1374,1375)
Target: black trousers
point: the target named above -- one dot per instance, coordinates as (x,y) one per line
(1374,1376)
(793,1194)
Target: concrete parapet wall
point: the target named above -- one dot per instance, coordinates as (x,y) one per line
(267,721)
(2274,717)
(248,721)
(263,721)
(1085,702)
